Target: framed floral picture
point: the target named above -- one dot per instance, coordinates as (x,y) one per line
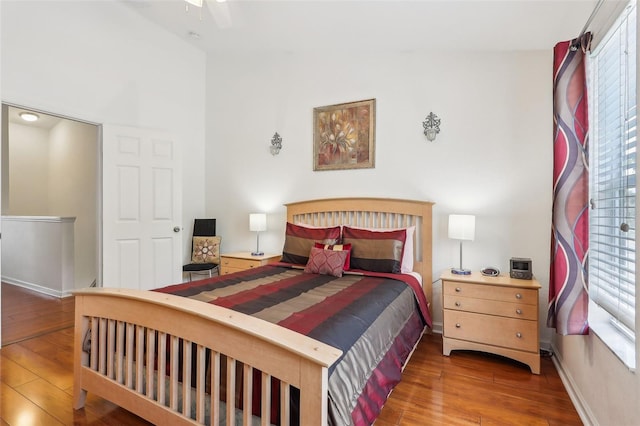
(344,136)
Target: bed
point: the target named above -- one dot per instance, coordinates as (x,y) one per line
(172,359)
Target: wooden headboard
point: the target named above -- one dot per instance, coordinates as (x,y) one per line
(375,213)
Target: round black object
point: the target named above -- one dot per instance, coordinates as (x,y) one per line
(490,271)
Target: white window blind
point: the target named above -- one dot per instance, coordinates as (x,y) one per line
(612,225)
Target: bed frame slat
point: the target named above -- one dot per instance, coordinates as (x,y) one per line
(247,390)
(102,362)
(129,371)
(139,361)
(186,378)
(285,403)
(265,402)
(120,352)
(231,391)
(215,388)
(200,382)
(111,339)
(94,337)
(173,376)
(162,367)
(149,361)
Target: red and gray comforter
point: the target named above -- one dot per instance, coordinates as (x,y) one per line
(375,319)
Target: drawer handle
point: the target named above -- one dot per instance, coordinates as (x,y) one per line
(519,335)
(458,325)
(457,304)
(519,311)
(518,296)
(458,289)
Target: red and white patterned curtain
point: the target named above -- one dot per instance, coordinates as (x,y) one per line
(568,293)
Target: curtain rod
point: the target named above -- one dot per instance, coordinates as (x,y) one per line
(579,39)
(593,15)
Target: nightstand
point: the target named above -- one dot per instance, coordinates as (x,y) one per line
(491,314)
(234,262)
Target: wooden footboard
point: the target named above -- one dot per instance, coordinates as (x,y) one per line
(159,356)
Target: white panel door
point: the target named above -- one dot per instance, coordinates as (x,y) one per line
(141,208)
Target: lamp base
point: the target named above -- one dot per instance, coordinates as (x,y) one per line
(257,253)
(460,271)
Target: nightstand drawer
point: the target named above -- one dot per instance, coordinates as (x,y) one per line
(491,292)
(224,270)
(241,261)
(498,331)
(240,264)
(491,307)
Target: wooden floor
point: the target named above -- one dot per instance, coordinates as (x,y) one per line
(27,313)
(467,388)
(473,388)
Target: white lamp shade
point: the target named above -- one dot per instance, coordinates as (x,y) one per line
(197,3)
(462,226)
(257,222)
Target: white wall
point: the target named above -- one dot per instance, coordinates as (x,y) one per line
(607,392)
(102,62)
(71,190)
(28,171)
(38,253)
(54,172)
(492,157)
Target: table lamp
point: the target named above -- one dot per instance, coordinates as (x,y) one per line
(257,223)
(461,227)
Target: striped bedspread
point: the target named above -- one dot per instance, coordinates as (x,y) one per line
(375,319)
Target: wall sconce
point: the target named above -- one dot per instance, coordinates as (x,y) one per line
(276,144)
(431,126)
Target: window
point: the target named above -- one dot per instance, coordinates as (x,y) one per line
(612,228)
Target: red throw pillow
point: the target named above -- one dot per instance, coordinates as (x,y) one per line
(326,262)
(338,247)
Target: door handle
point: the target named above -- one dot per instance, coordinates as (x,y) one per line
(176,229)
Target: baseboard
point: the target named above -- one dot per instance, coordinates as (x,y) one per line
(581,406)
(35,287)
(437,328)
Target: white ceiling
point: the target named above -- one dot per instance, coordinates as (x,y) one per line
(367,25)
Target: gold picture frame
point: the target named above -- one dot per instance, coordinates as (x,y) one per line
(344,136)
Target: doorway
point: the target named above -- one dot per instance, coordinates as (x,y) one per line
(50,169)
